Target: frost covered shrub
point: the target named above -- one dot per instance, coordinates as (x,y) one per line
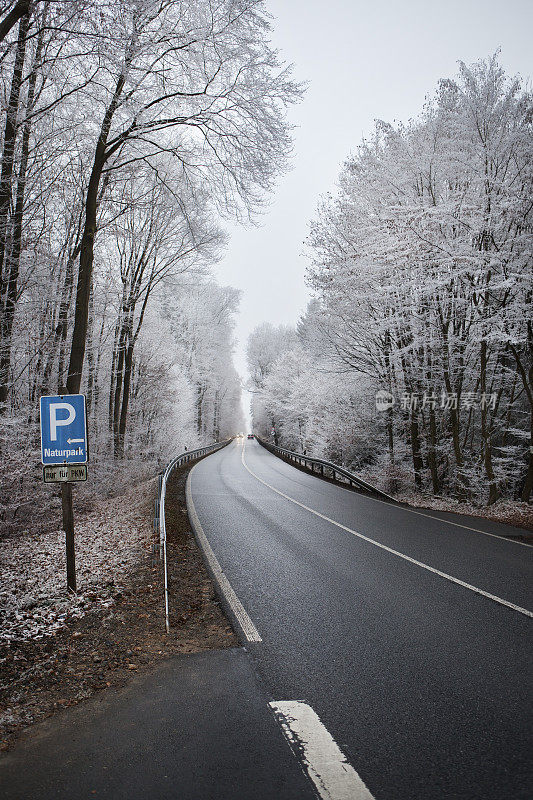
(393,479)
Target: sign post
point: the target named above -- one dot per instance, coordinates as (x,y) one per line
(68,527)
(64,455)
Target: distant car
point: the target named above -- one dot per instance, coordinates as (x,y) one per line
(250,436)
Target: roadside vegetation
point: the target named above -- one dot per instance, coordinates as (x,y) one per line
(129,131)
(413,364)
(57,650)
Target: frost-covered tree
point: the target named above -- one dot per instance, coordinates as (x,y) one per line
(127,130)
(421,264)
(128,127)
(265,345)
(196,81)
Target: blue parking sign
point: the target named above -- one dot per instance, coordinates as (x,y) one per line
(63,429)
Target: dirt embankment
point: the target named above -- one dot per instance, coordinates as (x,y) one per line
(122,635)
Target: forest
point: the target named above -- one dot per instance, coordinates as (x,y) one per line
(413,363)
(130,132)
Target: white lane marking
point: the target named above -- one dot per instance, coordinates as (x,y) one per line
(248,628)
(394,552)
(458,524)
(447,521)
(431,516)
(324,762)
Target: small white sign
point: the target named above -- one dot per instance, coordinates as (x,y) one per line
(65,473)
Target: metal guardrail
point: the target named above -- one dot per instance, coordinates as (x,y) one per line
(183,458)
(335,470)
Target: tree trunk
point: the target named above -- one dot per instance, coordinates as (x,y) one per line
(391,386)
(527,489)
(432,452)
(119,378)
(485,430)
(526,376)
(124,369)
(455,427)
(61,332)
(199,400)
(414,436)
(414,430)
(114,359)
(121,438)
(83,290)
(216,417)
(10,134)
(79,334)
(390,435)
(9,281)
(90,357)
(20,9)
(432,433)
(276,441)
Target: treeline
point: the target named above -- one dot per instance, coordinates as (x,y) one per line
(129,129)
(415,360)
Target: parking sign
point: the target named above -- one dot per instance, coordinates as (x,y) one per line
(63,429)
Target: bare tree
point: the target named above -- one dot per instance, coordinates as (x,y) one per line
(200,83)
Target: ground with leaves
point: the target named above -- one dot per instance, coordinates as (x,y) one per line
(57,651)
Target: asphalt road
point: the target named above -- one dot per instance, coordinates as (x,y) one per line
(198,727)
(421,679)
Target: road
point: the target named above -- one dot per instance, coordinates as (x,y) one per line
(197,727)
(406,634)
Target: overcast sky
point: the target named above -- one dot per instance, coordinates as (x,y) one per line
(362,61)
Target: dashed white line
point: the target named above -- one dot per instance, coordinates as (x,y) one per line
(325,763)
(248,628)
(444,575)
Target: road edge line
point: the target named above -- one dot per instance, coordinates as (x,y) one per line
(250,632)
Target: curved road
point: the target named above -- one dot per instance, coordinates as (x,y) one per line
(406,634)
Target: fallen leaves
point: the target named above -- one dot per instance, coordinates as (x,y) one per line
(33,598)
(111,642)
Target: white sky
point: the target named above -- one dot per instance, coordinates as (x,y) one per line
(363,61)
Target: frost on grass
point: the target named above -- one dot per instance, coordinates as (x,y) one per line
(110,542)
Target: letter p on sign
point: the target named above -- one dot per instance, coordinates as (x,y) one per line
(55,423)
